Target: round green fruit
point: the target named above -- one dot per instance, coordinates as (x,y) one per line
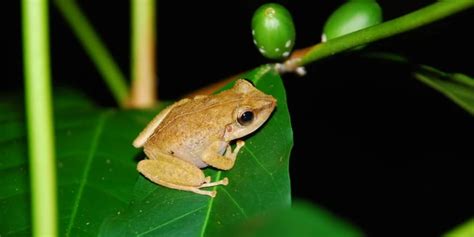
(273,31)
(352,16)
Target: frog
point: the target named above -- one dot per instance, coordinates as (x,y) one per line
(197,132)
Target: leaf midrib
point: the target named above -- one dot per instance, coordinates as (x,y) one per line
(259,75)
(211,202)
(85,175)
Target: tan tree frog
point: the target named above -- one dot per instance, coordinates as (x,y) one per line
(195,133)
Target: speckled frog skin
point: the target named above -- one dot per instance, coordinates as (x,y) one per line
(195,133)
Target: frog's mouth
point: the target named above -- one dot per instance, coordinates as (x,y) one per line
(264,112)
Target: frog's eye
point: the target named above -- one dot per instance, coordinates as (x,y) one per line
(245,118)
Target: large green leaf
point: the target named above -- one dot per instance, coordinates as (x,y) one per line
(465,229)
(302,219)
(95,164)
(457,87)
(258,183)
(97,174)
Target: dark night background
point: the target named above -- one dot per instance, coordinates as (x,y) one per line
(372,144)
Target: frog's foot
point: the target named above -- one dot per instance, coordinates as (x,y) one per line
(183,187)
(189,188)
(223,181)
(233,154)
(223,162)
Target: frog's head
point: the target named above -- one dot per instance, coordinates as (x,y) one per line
(253,109)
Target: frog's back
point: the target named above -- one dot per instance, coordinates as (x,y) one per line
(201,112)
(191,127)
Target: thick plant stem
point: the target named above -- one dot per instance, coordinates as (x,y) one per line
(96,49)
(401,24)
(39,117)
(144,80)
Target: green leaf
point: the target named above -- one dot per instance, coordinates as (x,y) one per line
(95,164)
(457,87)
(258,183)
(97,171)
(465,229)
(302,219)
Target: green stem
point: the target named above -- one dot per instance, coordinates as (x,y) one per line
(144,81)
(96,49)
(405,23)
(39,116)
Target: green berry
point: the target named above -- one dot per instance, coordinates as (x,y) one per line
(273,31)
(352,16)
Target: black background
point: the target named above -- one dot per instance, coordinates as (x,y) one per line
(372,144)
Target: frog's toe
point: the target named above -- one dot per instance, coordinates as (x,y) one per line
(223,181)
(203,192)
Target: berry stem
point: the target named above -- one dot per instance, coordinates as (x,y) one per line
(410,21)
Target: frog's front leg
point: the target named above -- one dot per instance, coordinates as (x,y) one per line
(175,173)
(224,162)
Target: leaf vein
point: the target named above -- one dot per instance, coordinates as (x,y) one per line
(235,202)
(208,212)
(172,220)
(264,169)
(85,175)
(108,193)
(258,162)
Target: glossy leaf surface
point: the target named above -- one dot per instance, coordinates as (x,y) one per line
(97,177)
(95,164)
(457,87)
(258,183)
(302,219)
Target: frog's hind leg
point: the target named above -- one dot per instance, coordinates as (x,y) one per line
(175,173)
(182,187)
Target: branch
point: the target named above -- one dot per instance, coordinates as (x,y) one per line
(413,20)
(96,49)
